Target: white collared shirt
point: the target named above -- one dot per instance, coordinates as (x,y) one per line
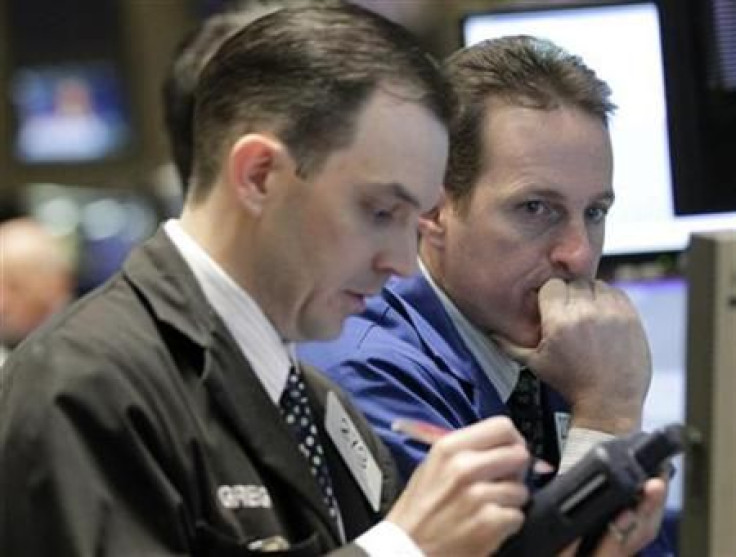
(267,353)
(269,356)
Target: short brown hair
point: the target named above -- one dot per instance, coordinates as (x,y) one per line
(519,70)
(303,75)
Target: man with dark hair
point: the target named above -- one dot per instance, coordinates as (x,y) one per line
(165,413)
(189,60)
(506,295)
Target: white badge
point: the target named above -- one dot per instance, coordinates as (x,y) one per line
(562,425)
(353,450)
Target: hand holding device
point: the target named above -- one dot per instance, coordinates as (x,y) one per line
(582,502)
(466,497)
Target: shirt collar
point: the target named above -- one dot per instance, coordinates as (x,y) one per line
(502,371)
(257,338)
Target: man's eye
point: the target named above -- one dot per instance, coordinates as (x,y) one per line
(597,214)
(534,207)
(382,216)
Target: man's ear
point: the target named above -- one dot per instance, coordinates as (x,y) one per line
(432,223)
(253,159)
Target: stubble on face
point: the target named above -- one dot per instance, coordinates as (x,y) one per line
(542,171)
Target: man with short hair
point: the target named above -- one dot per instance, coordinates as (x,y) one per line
(506,295)
(165,413)
(190,58)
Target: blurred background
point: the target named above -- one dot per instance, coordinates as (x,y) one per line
(83,151)
(82,146)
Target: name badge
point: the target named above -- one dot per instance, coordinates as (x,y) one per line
(353,450)
(562,425)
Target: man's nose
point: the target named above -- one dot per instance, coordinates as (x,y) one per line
(399,254)
(573,251)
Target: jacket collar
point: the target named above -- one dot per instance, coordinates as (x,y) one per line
(434,327)
(160,275)
(165,283)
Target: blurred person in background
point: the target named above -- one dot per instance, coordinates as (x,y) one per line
(36,279)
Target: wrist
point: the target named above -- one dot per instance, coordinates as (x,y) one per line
(615,421)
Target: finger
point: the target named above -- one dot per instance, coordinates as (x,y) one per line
(634,530)
(618,539)
(553,292)
(655,496)
(578,289)
(649,514)
(616,299)
(504,494)
(601,289)
(496,431)
(498,463)
(521,354)
(502,521)
(571,550)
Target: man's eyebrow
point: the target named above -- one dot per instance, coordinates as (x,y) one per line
(551,193)
(399,191)
(608,196)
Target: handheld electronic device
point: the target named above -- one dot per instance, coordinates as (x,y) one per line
(581,502)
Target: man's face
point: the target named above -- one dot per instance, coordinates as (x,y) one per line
(538,211)
(333,239)
(24,300)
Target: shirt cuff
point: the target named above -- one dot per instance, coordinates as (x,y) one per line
(386,538)
(579,441)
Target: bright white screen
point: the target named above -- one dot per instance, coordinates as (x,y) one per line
(622,44)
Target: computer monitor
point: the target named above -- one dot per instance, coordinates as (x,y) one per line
(69,112)
(662,307)
(710,482)
(622,42)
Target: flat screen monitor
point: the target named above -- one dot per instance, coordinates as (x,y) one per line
(69,113)
(710,485)
(662,306)
(622,42)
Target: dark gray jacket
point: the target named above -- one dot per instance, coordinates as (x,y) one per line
(132,425)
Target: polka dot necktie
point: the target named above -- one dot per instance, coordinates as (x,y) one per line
(295,409)
(525,408)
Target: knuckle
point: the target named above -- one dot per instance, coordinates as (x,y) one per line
(442,449)
(461,469)
(521,492)
(520,453)
(503,424)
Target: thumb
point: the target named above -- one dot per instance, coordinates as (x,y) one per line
(521,354)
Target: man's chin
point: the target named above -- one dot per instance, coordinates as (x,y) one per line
(322,331)
(526,338)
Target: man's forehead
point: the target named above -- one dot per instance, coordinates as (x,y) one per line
(396,191)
